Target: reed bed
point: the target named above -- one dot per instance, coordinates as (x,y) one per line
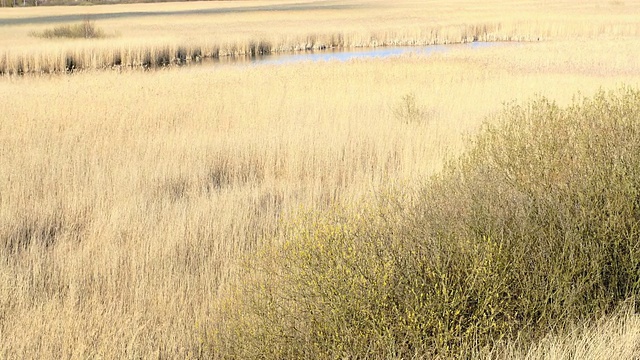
(615,336)
(141,55)
(145,35)
(127,198)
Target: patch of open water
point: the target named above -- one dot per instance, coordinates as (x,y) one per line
(344,54)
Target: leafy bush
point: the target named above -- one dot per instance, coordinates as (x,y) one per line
(534,228)
(558,190)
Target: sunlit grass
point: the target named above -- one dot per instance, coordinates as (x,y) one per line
(127,198)
(152,35)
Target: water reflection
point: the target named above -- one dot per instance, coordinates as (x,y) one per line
(364,53)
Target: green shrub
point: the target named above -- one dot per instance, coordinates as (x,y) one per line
(534,228)
(559,190)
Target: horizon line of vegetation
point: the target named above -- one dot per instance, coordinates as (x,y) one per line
(163,56)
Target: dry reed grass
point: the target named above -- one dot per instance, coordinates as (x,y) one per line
(613,337)
(148,35)
(125,198)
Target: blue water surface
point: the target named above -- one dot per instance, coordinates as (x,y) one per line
(364,53)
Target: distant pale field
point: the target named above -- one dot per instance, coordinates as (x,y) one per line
(223,20)
(229,27)
(127,197)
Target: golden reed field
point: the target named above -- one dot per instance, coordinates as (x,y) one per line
(148,34)
(127,197)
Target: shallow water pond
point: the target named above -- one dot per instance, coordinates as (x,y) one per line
(346,54)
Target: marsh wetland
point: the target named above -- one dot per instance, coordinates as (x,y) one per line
(459,181)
